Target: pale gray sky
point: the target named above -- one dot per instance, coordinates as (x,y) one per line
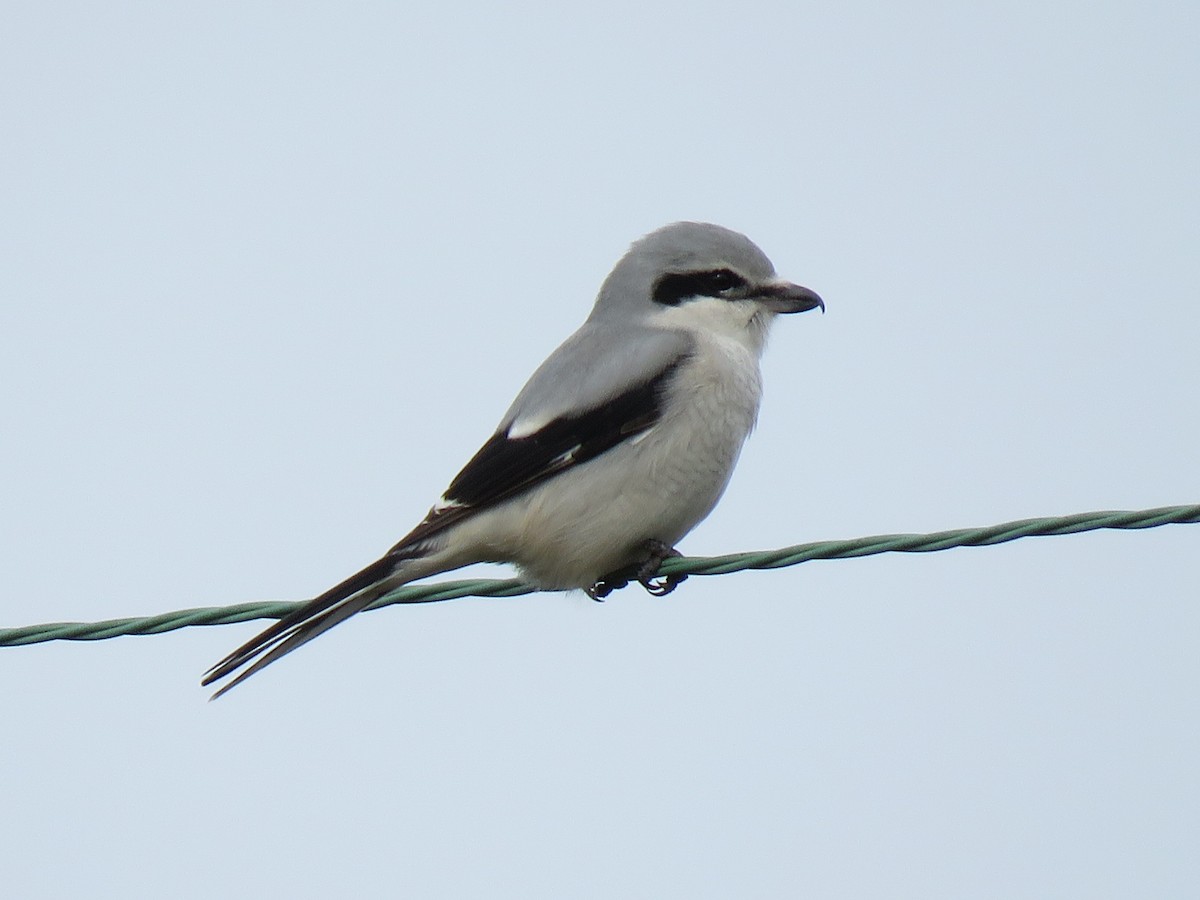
(272,272)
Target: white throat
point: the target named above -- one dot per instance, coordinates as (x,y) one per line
(743,321)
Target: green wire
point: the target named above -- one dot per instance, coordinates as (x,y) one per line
(692,565)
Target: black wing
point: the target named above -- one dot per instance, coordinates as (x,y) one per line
(505,466)
(502,468)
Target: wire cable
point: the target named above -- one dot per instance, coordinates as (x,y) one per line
(684,565)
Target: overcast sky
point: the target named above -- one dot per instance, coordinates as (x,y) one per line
(271,273)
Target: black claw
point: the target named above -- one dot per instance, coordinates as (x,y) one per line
(644,573)
(606,586)
(662,586)
(658,587)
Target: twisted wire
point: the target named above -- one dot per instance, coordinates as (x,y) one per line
(689,565)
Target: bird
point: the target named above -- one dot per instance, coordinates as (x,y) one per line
(620,443)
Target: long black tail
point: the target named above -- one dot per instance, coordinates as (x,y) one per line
(316,617)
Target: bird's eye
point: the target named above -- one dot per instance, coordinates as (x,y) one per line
(674,288)
(722,280)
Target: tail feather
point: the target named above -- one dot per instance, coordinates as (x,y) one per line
(314,618)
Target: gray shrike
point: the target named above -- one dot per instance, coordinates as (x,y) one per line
(620,444)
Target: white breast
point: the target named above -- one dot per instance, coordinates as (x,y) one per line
(594,519)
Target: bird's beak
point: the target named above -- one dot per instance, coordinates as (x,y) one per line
(785,297)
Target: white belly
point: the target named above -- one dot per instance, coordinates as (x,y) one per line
(592,520)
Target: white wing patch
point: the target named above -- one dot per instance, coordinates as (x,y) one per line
(566,459)
(444,504)
(523,428)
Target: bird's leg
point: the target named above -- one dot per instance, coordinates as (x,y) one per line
(649,568)
(613,581)
(643,573)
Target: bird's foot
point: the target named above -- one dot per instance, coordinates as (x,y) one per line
(643,573)
(613,581)
(659,587)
